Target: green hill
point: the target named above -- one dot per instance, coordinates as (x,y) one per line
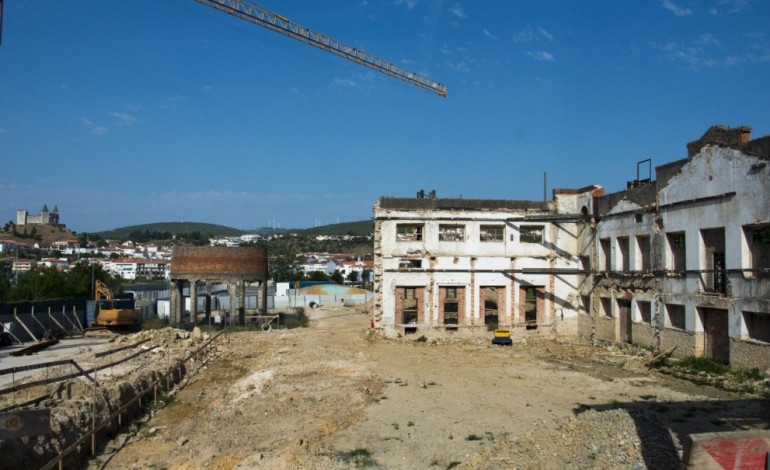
(361,228)
(175,228)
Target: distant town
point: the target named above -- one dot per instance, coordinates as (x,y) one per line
(41,240)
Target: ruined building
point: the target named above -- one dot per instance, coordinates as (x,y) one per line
(44,217)
(682,259)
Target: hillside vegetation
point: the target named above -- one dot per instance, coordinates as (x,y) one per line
(360,228)
(174,228)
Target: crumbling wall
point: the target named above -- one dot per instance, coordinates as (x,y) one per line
(605,328)
(643,334)
(749,354)
(684,341)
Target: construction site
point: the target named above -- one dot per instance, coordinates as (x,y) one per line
(338,395)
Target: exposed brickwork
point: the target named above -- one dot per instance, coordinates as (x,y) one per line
(199,262)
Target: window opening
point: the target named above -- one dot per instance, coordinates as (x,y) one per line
(676,316)
(451,233)
(605,245)
(491,233)
(643,244)
(491,306)
(645,311)
(531,233)
(409,232)
(451,306)
(677,247)
(757,326)
(409,309)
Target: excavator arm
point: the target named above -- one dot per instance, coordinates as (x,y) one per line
(253,13)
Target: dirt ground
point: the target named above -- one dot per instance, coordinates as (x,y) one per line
(334,395)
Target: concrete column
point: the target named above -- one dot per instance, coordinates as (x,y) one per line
(193,301)
(242,303)
(176,303)
(208,303)
(233,300)
(263,298)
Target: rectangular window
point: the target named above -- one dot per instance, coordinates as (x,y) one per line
(758,239)
(714,277)
(606,307)
(409,306)
(645,311)
(451,233)
(492,233)
(409,232)
(531,233)
(643,249)
(605,249)
(410,264)
(491,298)
(675,316)
(451,306)
(757,326)
(585,301)
(623,255)
(677,251)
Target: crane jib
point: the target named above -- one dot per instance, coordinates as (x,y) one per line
(260,16)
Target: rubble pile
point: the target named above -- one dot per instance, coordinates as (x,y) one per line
(75,404)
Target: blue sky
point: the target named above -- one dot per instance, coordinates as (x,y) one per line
(129,112)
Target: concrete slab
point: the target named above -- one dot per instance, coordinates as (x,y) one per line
(66,349)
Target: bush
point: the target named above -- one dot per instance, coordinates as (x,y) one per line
(155,323)
(702,364)
(296,320)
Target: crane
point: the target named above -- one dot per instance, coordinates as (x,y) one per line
(256,14)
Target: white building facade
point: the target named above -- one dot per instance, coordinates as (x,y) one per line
(461,265)
(678,261)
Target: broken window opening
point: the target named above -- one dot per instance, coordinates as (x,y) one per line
(677,251)
(491,311)
(605,249)
(492,233)
(451,233)
(758,239)
(532,303)
(531,233)
(643,247)
(623,255)
(676,317)
(585,301)
(410,264)
(409,306)
(409,232)
(645,311)
(606,307)
(757,326)
(713,262)
(451,306)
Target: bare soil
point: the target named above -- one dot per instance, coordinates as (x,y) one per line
(335,395)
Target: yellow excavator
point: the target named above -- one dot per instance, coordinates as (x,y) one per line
(109,316)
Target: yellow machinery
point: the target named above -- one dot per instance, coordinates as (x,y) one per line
(111,316)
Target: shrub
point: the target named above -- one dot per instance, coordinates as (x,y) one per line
(703,364)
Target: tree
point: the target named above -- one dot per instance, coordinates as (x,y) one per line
(352,277)
(337,277)
(317,276)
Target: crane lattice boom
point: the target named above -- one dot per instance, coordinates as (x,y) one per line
(261,16)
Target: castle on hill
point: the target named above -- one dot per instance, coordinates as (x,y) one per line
(44,217)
